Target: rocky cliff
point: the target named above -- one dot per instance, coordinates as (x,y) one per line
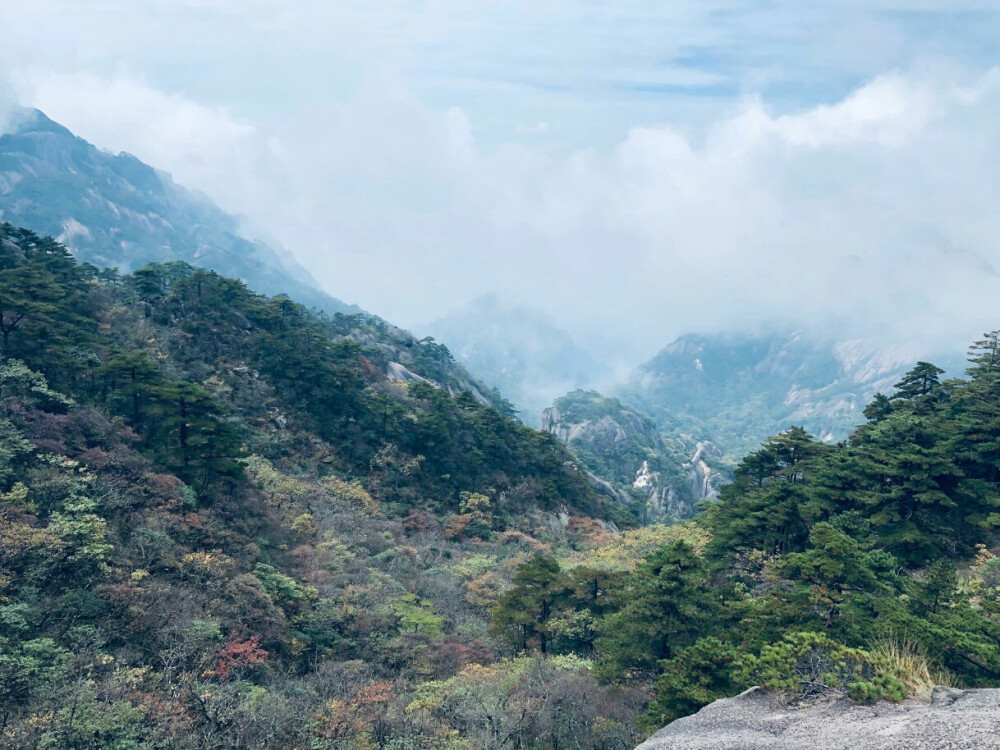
(952,719)
(624,449)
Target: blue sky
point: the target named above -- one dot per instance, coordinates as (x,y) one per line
(635,169)
(589,69)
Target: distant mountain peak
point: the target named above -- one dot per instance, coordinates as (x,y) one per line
(518,349)
(741,387)
(115,210)
(24,120)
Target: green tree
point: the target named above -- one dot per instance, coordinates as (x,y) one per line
(667,606)
(156,279)
(26,668)
(771,504)
(132,373)
(984,356)
(973,440)
(879,408)
(188,426)
(919,383)
(910,489)
(43,298)
(523,613)
(837,579)
(696,676)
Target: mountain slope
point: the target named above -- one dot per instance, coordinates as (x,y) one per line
(623,446)
(115,211)
(738,389)
(223,525)
(518,350)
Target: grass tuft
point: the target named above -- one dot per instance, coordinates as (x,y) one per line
(912,665)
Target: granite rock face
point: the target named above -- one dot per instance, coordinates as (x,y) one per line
(627,455)
(953,720)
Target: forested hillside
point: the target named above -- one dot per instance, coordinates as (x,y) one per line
(223,525)
(227,521)
(866,568)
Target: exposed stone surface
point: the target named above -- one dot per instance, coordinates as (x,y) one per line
(625,451)
(606,488)
(953,720)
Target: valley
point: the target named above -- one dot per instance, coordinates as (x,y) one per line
(236,512)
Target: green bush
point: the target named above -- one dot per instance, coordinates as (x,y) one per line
(697,676)
(807,664)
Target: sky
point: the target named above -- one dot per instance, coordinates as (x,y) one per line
(636,169)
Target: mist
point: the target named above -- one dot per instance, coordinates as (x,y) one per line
(863,211)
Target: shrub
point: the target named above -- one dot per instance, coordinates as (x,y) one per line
(697,676)
(907,660)
(809,664)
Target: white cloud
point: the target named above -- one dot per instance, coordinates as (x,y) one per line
(887,111)
(638,211)
(195,142)
(8,102)
(874,214)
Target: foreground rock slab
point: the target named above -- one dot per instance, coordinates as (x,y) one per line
(953,720)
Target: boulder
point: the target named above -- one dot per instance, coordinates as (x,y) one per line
(755,720)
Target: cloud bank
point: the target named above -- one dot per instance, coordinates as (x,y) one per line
(862,210)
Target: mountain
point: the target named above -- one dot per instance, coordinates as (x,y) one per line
(112,210)
(630,459)
(518,350)
(231,521)
(737,389)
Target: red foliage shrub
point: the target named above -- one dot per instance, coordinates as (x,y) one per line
(237,655)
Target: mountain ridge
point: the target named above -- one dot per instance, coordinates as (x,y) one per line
(739,388)
(114,210)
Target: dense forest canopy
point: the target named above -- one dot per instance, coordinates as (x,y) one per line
(222,525)
(866,567)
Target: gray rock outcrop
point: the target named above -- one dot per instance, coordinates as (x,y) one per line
(952,720)
(626,454)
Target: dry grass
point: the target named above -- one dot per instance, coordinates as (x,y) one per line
(912,665)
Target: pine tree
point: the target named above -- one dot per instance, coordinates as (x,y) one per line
(667,607)
(974,443)
(44,313)
(187,426)
(919,382)
(523,613)
(879,408)
(132,373)
(770,505)
(909,488)
(984,355)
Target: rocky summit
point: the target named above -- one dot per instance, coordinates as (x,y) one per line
(756,720)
